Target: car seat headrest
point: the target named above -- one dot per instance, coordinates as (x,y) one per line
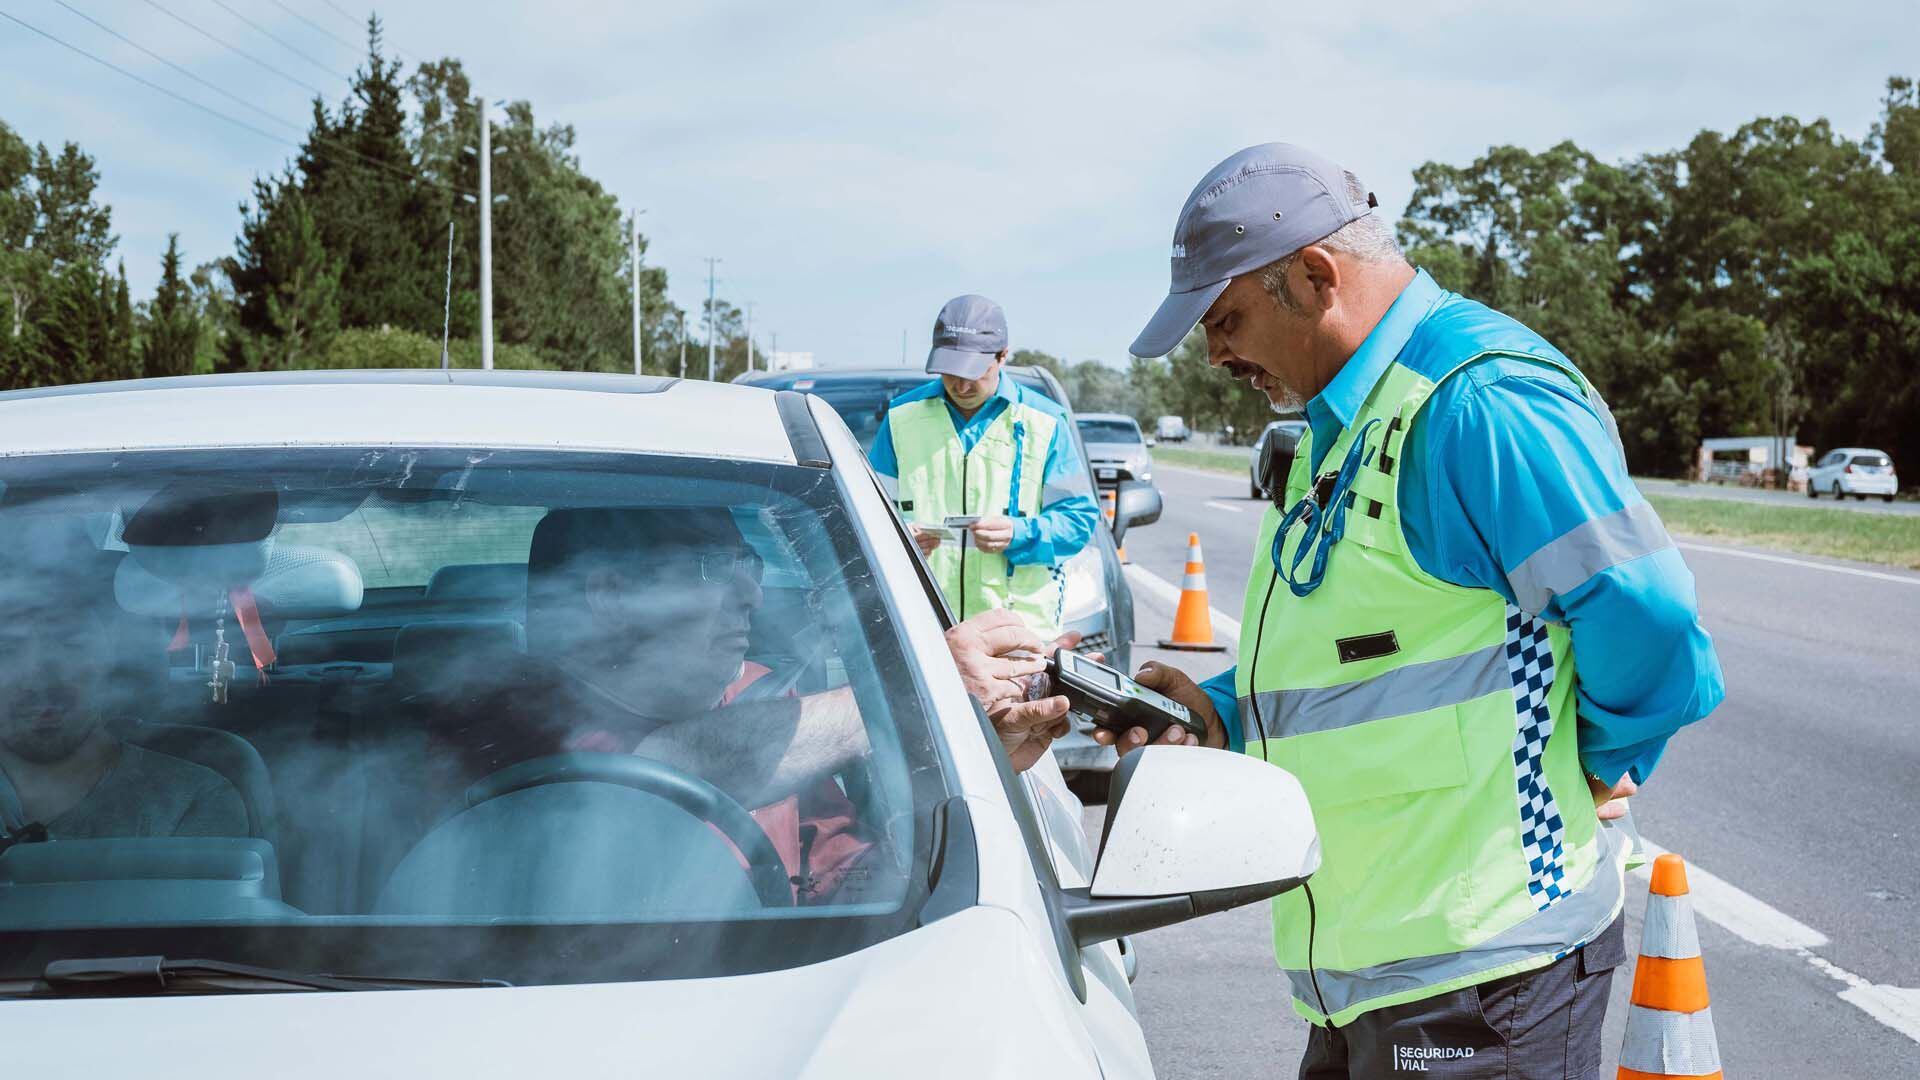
(294,582)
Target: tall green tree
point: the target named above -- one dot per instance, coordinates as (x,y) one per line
(173,325)
(286,283)
(374,214)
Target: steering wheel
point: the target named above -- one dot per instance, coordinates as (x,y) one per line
(656,778)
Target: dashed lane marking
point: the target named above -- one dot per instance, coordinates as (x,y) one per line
(1229,508)
(1764,557)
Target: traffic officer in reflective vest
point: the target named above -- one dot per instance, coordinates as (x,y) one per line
(1458,533)
(972,443)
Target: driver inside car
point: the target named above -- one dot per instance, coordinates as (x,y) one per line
(638,622)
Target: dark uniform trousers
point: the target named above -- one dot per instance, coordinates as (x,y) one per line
(1539,1025)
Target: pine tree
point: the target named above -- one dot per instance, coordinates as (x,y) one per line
(118,360)
(373,212)
(173,331)
(287,285)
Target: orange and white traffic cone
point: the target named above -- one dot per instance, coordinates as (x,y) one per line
(1669,1026)
(1193,619)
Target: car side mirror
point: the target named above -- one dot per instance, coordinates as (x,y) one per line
(1151,444)
(1191,832)
(1136,502)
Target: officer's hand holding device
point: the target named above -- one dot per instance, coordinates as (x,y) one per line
(1113,701)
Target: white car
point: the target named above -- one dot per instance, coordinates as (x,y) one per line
(1854,471)
(444,823)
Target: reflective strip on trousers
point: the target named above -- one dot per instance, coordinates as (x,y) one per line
(1403,691)
(1570,561)
(1555,932)
(1670,1043)
(1670,933)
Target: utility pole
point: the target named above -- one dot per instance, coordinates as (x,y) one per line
(486,234)
(446,316)
(773,346)
(749,335)
(903,348)
(712,371)
(683,344)
(639,350)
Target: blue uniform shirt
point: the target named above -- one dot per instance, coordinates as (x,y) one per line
(1068,515)
(1506,457)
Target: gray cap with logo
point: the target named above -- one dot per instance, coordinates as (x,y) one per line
(1259,205)
(969,332)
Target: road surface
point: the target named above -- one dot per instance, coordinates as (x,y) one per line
(1797,805)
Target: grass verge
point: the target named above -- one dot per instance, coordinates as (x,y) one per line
(1231,459)
(1888,539)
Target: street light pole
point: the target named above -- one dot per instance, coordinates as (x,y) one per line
(486,234)
(712,371)
(683,344)
(749,335)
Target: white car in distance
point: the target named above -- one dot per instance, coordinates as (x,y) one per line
(1854,471)
(760,832)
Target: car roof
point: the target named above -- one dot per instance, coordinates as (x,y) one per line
(1113,416)
(1857,450)
(493,409)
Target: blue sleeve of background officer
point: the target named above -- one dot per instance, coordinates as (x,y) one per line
(1219,690)
(1068,514)
(1517,486)
(881,456)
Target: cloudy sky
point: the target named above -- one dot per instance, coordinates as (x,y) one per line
(854,165)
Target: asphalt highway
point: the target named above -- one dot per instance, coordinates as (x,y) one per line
(1796,804)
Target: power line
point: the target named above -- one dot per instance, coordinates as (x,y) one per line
(236,49)
(313,142)
(223,93)
(350,46)
(222,5)
(343,12)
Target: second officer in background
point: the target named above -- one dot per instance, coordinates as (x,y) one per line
(972,443)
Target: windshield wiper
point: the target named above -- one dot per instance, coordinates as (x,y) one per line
(157,974)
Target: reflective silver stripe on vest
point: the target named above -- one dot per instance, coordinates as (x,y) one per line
(1571,561)
(1400,692)
(1669,1043)
(1558,930)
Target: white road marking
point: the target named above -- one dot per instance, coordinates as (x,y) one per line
(1714,898)
(1208,473)
(1763,557)
(1752,919)
(1226,628)
(1223,506)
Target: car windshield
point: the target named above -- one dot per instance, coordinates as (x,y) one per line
(538,717)
(1109,431)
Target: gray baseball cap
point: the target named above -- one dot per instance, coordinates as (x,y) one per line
(969,332)
(1261,204)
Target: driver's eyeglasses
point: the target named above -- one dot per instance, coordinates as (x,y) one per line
(721,567)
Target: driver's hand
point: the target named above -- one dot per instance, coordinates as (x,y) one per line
(1175,684)
(923,539)
(1027,728)
(980,648)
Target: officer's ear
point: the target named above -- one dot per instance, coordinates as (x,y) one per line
(1001,356)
